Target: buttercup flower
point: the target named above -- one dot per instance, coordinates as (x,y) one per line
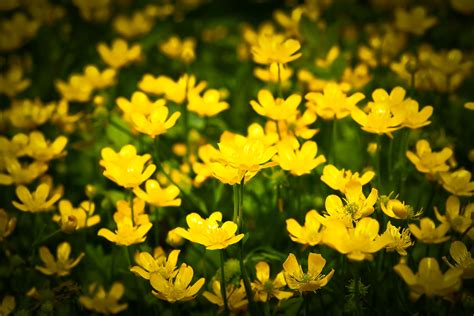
(428,233)
(124,209)
(137,24)
(41,200)
(176,48)
(208,232)
(18,173)
(126,233)
(148,265)
(29,114)
(264,288)
(298,161)
(41,149)
(8,305)
(62,265)
(157,196)
(71,218)
(309,234)
(98,79)
(312,280)
(338,179)
(209,104)
(379,120)
(415,21)
(103,302)
(400,240)
(12,82)
(413,117)
(462,259)
(156,123)
(275,49)
(459,219)
(274,73)
(236,300)
(429,280)
(7,224)
(77,89)
(119,54)
(427,161)
(275,109)
(458,182)
(397,209)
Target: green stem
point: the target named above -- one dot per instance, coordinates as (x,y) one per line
(223,286)
(378,162)
(332,146)
(280,94)
(42,240)
(389,165)
(131,207)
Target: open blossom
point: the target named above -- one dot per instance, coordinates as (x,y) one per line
(126,168)
(397,209)
(208,231)
(124,209)
(310,281)
(310,234)
(18,173)
(209,104)
(274,73)
(156,123)
(338,179)
(428,233)
(462,259)
(236,300)
(148,264)
(415,21)
(157,196)
(12,82)
(413,117)
(119,53)
(104,302)
(98,79)
(459,219)
(429,280)
(62,265)
(41,149)
(275,49)
(298,161)
(77,88)
(276,109)
(458,182)
(400,240)
(183,50)
(127,233)
(41,200)
(74,218)
(7,224)
(427,161)
(138,103)
(265,288)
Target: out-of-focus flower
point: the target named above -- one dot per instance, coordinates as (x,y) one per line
(8,5)
(78,88)
(202,169)
(62,265)
(310,234)
(276,73)
(462,259)
(413,118)
(98,79)
(330,57)
(176,288)
(463,6)
(157,196)
(12,82)
(126,168)
(459,219)
(209,104)
(156,123)
(310,281)
(174,239)
(236,300)
(183,50)
(458,182)
(400,240)
(63,119)
(17,31)
(338,179)
(137,24)
(298,161)
(7,224)
(119,54)
(8,304)
(18,173)
(275,109)
(265,288)
(333,103)
(41,200)
(103,302)
(29,114)
(208,231)
(126,233)
(43,150)
(428,233)
(275,49)
(415,21)
(429,280)
(74,218)
(427,161)
(148,265)
(357,77)
(469,106)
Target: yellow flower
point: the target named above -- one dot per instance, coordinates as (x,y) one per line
(62,265)
(126,167)
(119,54)
(399,240)
(427,161)
(264,288)
(236,300)
(276,109)
(174,239)
(157,196)
(412,118)
(176,48)
(21,173)
(139,103)
(357,77)
(156,123)
(459,219)
(78,88)
(306,282)
(380,119)
(203,170)
(429,280)
(273,74)
(469,106)
(126,233)
(415,21)
(176,288)
(209,233)
(275,49)
(148,265)
(463,6)
(359,242)
(397,209)
(228,174)
(8,305)
(333,103)
(330,57)
(309,234)
(29,114)
(61,117)
(124,210)
(43,150)
(458,182)
(139,23)
(41,200)
(209,104)
(338,179)
(298,161)
(12,82)
(102,302)
(71,218)
(97,79)
(7,224)
(428,233)
(462,259)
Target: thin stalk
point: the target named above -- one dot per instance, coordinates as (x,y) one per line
(280,94)
(378,162)
(332,146)
(42,240)
(131,208)
(223,286)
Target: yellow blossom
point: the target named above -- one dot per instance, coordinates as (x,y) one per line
(176,48)
(119,54)
(98,79)
(357,77)
(7,224)
(138,103)
(203,169)
(18,173)
(44,150)
(276,73)
(338,179)
(462,259)
(293,126)
(275,109)
(458,182)
(139,23)
(8,305)
(12,82)
(469,106)
(265,288)
(412,117)
(74,218)
(228,174)
(397,209)
(209,104)
(306,282)
(176,288)
(463,6)
(62,265)
(156,123)
(330,57)
(41,200)
(78,88)
(309,234)
(126,233)
(124,210)
(174,239)
(29,114)
(209,233)
(103,302)
(400,240)
(236,299)
(126,168)
(427,161)
(63,119)
(298,161)
(333,103)
(415,21)
(459,219)
(429,280)
(148,265)
(157,196)
(359,242)
(428,233)
(16,31)
(275,49)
